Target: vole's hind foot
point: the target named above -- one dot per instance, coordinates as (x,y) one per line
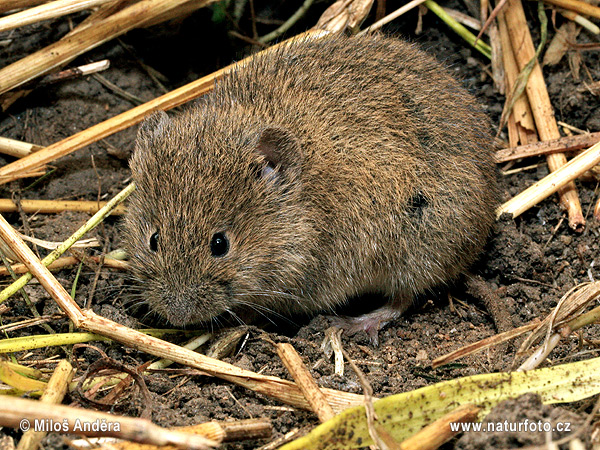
(370,323)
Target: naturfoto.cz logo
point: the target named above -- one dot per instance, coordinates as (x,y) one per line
(506,426)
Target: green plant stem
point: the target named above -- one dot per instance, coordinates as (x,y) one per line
(55,254)
(483,48)
(18,344)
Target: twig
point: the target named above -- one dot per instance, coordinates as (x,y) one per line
(92,289)
(564,144)
(387,19)
(117,90)
(566,306)
(551,183)
(84,243)
(589,318)
(246,39)
(192,344)
(68,261)
(483,344)
(483,11)
(287,437)
(463,18)
(287,24)
(99,15)
(156,76)
(571,128)
(53,339)
(506,173)
(238,430)
(253,19)
(538,356)
(75,72)
(491,18)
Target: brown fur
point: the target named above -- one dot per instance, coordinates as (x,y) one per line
(335,167)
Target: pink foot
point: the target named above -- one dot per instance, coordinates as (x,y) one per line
(371,323)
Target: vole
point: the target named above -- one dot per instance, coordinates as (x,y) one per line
(318,171)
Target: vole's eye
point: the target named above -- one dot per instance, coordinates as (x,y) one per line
(219,245)
(268,171)
(265,172)
(154,241)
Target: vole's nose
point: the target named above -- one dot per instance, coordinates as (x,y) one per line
(194,303)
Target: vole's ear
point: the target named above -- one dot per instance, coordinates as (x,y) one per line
(153,127)
(280,149)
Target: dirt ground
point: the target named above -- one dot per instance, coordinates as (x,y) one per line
(529,262)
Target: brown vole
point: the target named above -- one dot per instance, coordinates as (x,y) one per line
(322,170)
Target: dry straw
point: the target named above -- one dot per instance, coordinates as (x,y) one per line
(564,144)
(552,183)
(16,148)
(577,6)
(47,11)
(9,5)
(539,100)
(78,42)
(55,206)
(53,395)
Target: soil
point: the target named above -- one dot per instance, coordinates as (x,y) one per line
(529,262)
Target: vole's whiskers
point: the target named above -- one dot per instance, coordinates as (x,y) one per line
(274,294)
(265,312)
(236,317)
